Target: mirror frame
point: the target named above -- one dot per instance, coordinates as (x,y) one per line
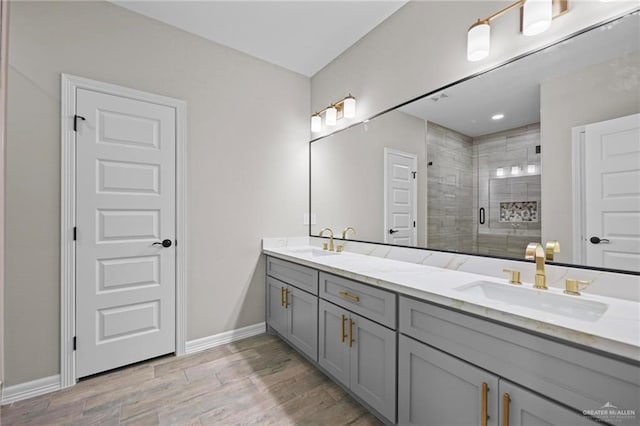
(442,88)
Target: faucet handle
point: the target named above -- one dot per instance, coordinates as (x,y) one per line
(572,287)
(530,252)
(514,276)
(551,247)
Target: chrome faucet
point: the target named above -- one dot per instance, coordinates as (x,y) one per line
(325,246)
(537,252)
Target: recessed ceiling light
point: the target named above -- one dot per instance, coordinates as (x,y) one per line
(497,117)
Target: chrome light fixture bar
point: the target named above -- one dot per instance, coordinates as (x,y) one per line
(344,108)
(535,18)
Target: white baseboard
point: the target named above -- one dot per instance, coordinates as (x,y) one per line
(30,389)
(209,342)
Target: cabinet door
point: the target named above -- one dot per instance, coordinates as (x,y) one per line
(276,313)
(520,407)
(435,388)
(302,329)
(373,364)
(333,352)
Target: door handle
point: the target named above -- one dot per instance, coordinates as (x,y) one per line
(393,231)
(505,409)
(164,243)
(598,240)
(483,407)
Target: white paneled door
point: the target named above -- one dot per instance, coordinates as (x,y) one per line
(612,191)
(125,216)
(400,195)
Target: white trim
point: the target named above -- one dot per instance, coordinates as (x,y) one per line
(69,85)
(577,181)
(414,189)
(209,342)
(30,389)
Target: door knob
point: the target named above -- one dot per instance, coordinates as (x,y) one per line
(597,240)
(165,243)
(393,231)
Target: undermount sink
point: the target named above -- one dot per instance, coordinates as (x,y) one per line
(311,251)
(540,300)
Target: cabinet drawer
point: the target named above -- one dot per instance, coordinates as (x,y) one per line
(574,376)
(373,303)
(300,276)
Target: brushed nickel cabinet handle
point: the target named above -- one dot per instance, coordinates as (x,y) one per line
(348,296)
(505,409)
(483,407)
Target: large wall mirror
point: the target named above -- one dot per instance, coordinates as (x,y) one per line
(546,147)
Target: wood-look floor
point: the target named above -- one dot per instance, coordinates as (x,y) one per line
(259,380)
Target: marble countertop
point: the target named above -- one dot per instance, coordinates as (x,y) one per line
(616,331)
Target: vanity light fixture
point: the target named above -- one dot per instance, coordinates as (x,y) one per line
(331,116)
(346,108)
(497,117)
(535,17)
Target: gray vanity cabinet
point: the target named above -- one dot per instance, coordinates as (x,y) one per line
(333,348)
(276,313)
(360,354)
(520,407)
(293,313)
(437,389)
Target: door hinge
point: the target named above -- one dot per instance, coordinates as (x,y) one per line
(75,233)
(414,174)
(75,341)
(75,122)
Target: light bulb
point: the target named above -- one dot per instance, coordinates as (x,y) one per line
(478,41)
(349,106)
(537,15)
(330,116)
(316,123)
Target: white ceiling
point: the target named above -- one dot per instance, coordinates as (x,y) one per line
(302,35)
(514,89)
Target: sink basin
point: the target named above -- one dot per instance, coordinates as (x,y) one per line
(311,251)
(540,300)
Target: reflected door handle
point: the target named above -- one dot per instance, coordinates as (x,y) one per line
(598,240)
(393,231)
(165,243)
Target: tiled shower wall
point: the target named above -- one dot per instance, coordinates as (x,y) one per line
(515,147)
(461,178)
(450,190)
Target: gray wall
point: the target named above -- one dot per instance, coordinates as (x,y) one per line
(450,190)
(347,174)
(597,93)
(246,162)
